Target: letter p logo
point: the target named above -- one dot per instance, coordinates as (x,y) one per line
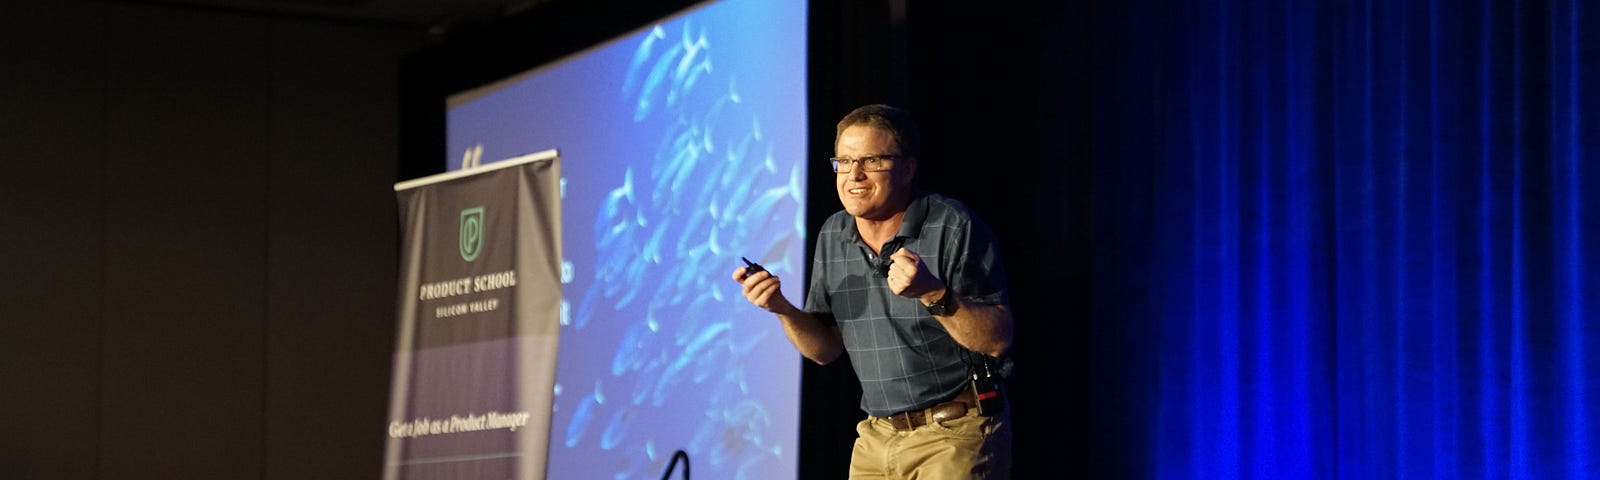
(471,233)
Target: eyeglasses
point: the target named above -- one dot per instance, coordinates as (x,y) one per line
(869,163)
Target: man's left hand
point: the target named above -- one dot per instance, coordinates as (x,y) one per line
(910,278)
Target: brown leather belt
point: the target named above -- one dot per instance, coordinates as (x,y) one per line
(955,408)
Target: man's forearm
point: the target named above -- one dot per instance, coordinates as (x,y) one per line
(816,340)
(979,327)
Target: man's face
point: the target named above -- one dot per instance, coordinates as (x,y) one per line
(872,195)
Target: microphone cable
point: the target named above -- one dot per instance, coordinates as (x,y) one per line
(674,464)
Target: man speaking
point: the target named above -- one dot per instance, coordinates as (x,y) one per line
(910,283)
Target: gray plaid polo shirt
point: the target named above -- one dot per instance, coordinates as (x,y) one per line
(904,358)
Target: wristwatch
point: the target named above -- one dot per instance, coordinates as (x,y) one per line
(942,306)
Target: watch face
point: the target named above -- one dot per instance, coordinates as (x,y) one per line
(940,307)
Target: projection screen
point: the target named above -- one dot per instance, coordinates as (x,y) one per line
(682,148)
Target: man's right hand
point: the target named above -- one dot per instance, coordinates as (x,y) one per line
(763,289)
(815,340)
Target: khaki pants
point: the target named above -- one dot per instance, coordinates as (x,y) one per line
(973,446)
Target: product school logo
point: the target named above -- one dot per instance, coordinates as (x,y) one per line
(471,233)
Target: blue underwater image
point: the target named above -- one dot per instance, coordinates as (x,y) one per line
(682,149)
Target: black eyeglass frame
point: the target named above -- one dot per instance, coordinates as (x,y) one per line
(872,163)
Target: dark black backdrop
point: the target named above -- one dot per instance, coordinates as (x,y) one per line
(1003,93)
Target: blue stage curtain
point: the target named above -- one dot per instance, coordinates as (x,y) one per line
(1350,239)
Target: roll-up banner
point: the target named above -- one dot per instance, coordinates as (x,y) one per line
(479,311)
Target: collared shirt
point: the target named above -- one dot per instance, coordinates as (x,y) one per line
(904,358)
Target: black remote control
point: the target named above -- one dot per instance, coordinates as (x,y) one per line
(754,267)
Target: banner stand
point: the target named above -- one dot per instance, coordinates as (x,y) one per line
(478,317)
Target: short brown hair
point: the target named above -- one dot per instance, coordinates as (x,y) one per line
(896,121)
